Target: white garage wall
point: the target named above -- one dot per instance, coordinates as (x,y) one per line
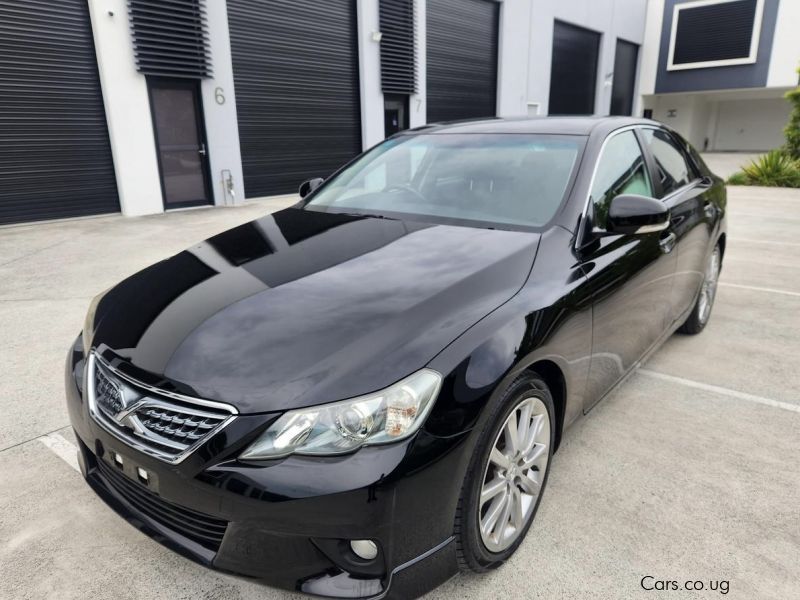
(130,127)
(219,110)
(751,124)
(785,57)
(612,18)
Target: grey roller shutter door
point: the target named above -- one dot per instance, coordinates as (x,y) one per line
(622,90)
(295,68)
(573,74)
(55,157)
(462,59)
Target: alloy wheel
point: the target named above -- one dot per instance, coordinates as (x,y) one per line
(709,289)
(514,474)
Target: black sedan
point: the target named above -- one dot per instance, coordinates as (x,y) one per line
(360,395)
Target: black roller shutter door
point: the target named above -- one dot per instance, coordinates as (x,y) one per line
(462,59)
(573,74)
(625,59)
(295,68)
(55,158)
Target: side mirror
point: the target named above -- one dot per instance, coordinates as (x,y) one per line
(633,214)
(309,185)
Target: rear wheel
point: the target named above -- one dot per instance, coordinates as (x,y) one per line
(701,312)
(507,476)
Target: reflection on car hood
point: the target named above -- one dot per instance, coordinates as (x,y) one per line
(299,307)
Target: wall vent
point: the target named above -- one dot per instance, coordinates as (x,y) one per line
(170,37)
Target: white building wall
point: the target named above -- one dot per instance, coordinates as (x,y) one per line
(369,72)
(130,127)
(513,57)
(525,46)
(648,59)
(417,104)
(219,112)
(524,54)
(750,125)
(611,18)
(785,57)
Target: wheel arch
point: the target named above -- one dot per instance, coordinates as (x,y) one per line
(554,377)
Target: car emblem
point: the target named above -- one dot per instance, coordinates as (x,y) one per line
(118,402)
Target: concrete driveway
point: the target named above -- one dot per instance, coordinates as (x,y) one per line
(691,471)
(726,164)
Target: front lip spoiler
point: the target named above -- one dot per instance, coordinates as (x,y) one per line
(151,528)
(324,586)
(204,556)
(414,561)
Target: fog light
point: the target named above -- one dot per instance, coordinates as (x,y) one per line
(365,549)
(142,474)
(117,459)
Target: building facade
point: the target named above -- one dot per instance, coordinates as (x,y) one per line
(717,70)
(141,106)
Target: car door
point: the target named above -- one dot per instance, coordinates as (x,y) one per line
(683,190)
(629,276)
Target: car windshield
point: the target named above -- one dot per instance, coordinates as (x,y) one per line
(515,180)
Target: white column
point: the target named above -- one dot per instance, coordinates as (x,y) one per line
(219,111)
(418,103)
(369,72)
(513,58)
(127,106)
(540,50)
(648,60)
(785,51)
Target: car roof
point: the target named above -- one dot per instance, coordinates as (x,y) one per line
(542,125)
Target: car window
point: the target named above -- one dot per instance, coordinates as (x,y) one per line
(674,170)
(620,170)
(487,179)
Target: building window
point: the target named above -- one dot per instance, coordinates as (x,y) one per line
(714,33)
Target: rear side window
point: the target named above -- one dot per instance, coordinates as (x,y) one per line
(674,170)
(620,170)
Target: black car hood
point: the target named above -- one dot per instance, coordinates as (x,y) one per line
(301,307)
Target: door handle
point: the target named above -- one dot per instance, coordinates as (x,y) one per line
(202,150)
(667,242)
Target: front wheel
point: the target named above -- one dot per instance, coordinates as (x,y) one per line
(701,312)
(507,476)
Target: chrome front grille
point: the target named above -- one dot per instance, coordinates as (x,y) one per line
(163,424)
(178,426)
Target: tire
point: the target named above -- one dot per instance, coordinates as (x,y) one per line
(701,312)
(477,550)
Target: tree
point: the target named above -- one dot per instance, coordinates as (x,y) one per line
(792,130)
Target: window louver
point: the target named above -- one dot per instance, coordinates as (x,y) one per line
(398,59)
(714,32)
(170,37)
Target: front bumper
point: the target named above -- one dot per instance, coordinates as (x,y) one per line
(288,521)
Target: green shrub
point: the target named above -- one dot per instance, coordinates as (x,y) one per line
(792,130)
(738,178)
(774,169)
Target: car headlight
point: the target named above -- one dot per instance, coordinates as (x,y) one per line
(383,417)
(88,323)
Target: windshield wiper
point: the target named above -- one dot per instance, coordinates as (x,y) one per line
(365,214)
